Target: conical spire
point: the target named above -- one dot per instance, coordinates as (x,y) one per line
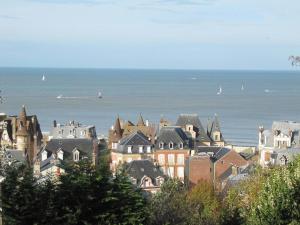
(117,128)
(22,115)
(140,121)
(216,124)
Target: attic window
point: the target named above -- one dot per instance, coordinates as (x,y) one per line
(76,156)
(171,145)
(161,145)
(129,150)
(181,145)
(140,149)
(44,155)
(148,149)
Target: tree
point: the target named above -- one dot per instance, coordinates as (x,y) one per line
(203,204)
(279,200)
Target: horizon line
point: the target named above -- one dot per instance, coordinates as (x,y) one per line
(145,68)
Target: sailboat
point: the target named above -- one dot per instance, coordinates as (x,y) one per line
(242,88)
(219,91)
(43,77)
(99,94)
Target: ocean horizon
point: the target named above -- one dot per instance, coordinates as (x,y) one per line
(248,98)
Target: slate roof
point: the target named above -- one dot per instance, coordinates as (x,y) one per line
(213,126)
(207,149)
(193,119)
(172,134)
(285,126)
(83,145)
(288,153)
(140,168)
(14,154)
(219,154)
(134,140)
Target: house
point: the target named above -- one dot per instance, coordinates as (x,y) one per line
(284,136)
(171,150)
(213,164)
(135,146)
(58,152)
(122,129)
(191,124)
(198,168)
(145,175)
(23,133)
(214,132)
(72,130)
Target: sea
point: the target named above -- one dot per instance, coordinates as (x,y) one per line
(248,98)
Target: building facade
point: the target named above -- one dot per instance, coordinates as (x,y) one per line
(283,137)
(172,148)
(23,133)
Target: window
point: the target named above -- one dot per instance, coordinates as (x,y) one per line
(171,145)
(181,145)
(76,156)
(60,154)
(129,149)
(180,159)
(44,155)
(180,172)
(161,159)
(171,172)
(114,145)
(159,181)
(171,159)
(140,149)
(148,149)
(161,145)
(216,137)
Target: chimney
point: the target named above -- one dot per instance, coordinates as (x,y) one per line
(54,123)
(147,123)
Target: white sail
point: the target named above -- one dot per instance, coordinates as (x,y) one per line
(220,90)
(242,88)
(43,77)
(99,94)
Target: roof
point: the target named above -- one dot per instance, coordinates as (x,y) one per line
(214,126)
(285,126)
(185,119)
(222,152)
(172,134)
(14,154)
(83,145)
(135,140)
(207,149)
(140,168)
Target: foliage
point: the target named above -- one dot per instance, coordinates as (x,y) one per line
(83,195)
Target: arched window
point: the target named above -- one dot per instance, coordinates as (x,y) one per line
(76,155)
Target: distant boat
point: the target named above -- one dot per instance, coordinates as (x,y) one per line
(99,94)
(43,77)
(242,88)
(267,90)
(194,78)
(219,91)
(60,96)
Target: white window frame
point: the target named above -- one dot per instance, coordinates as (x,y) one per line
(141,149)
(60,154)
(171,159)
(181,145)
(148,149)
(161,145)
(161,159)
(180,159)
(171,145)
(114,145)
(76,155)
(129,149)
(44,155)
(180,172)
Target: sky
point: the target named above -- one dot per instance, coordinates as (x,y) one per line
(155,34)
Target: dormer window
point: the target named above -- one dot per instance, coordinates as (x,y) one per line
(161,145)
(60,154)
(171,145)
(140,149)
(129,149)
(75,155)
(181,145)
(44,155)
(148,149)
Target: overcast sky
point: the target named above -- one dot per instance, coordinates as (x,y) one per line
(187,34)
